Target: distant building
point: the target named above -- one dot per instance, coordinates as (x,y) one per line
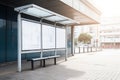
(110,35)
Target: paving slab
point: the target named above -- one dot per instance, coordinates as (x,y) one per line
(102,65)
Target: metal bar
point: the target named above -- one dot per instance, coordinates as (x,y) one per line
(24,52)
(45,50)
(47,16)
(41,55)
(55,40)
(61,20)
(19,42)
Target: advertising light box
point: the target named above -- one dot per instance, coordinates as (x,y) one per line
(31,35)
(48,37)
(60,38)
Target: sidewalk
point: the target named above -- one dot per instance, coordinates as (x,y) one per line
(103,65)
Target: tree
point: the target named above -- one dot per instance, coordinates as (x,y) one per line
(85,38)
(75,41)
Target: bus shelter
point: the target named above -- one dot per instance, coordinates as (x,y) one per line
(37,36)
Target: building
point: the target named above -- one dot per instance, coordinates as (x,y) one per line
(80,11)
(110,36)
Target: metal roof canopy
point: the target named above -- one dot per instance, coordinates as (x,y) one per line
(43,13)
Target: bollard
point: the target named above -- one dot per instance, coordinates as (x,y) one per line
(96,48)
(83,50)
(74,50)
(91,49)
(79,49)
(87,49)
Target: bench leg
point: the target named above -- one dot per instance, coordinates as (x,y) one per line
(32,65)
(54,61)
(40,63)
(43,62)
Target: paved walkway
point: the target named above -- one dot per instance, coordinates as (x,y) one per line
(103,65)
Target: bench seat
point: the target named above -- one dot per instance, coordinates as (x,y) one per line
(42,60)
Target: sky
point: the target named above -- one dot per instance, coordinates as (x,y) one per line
(109,8)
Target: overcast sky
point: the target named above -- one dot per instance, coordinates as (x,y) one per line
(109,8)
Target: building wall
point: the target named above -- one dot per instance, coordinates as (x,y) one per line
(2,34)
(8,40)
(110,45)
(110,34)
(8,30)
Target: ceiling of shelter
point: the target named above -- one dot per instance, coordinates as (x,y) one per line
(55,6)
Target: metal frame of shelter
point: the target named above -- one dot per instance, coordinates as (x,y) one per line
(41,13)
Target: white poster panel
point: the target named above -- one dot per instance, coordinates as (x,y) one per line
(60,38)
(48,37)
(31,35)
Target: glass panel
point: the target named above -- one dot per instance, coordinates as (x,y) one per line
(48,37)
(31,35)
(55,18)
(60,38)
(37,12)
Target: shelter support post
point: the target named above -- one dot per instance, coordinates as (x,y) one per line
(55,39)
(41,55)
(19,42)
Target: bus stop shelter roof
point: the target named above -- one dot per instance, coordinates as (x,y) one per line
(43,13)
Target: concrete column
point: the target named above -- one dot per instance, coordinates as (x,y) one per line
(66,53)
(72,39)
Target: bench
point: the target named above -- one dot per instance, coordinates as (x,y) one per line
(42,60)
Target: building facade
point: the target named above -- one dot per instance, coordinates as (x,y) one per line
(110,36)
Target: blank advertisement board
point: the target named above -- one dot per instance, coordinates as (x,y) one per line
(60,38)
(48,37)
(31,35)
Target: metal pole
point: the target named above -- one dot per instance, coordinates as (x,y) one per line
(87,48)
(74,49)
(66,53)
(19,42)
(83,49)
(41,55)
(79,49)
(55,40)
